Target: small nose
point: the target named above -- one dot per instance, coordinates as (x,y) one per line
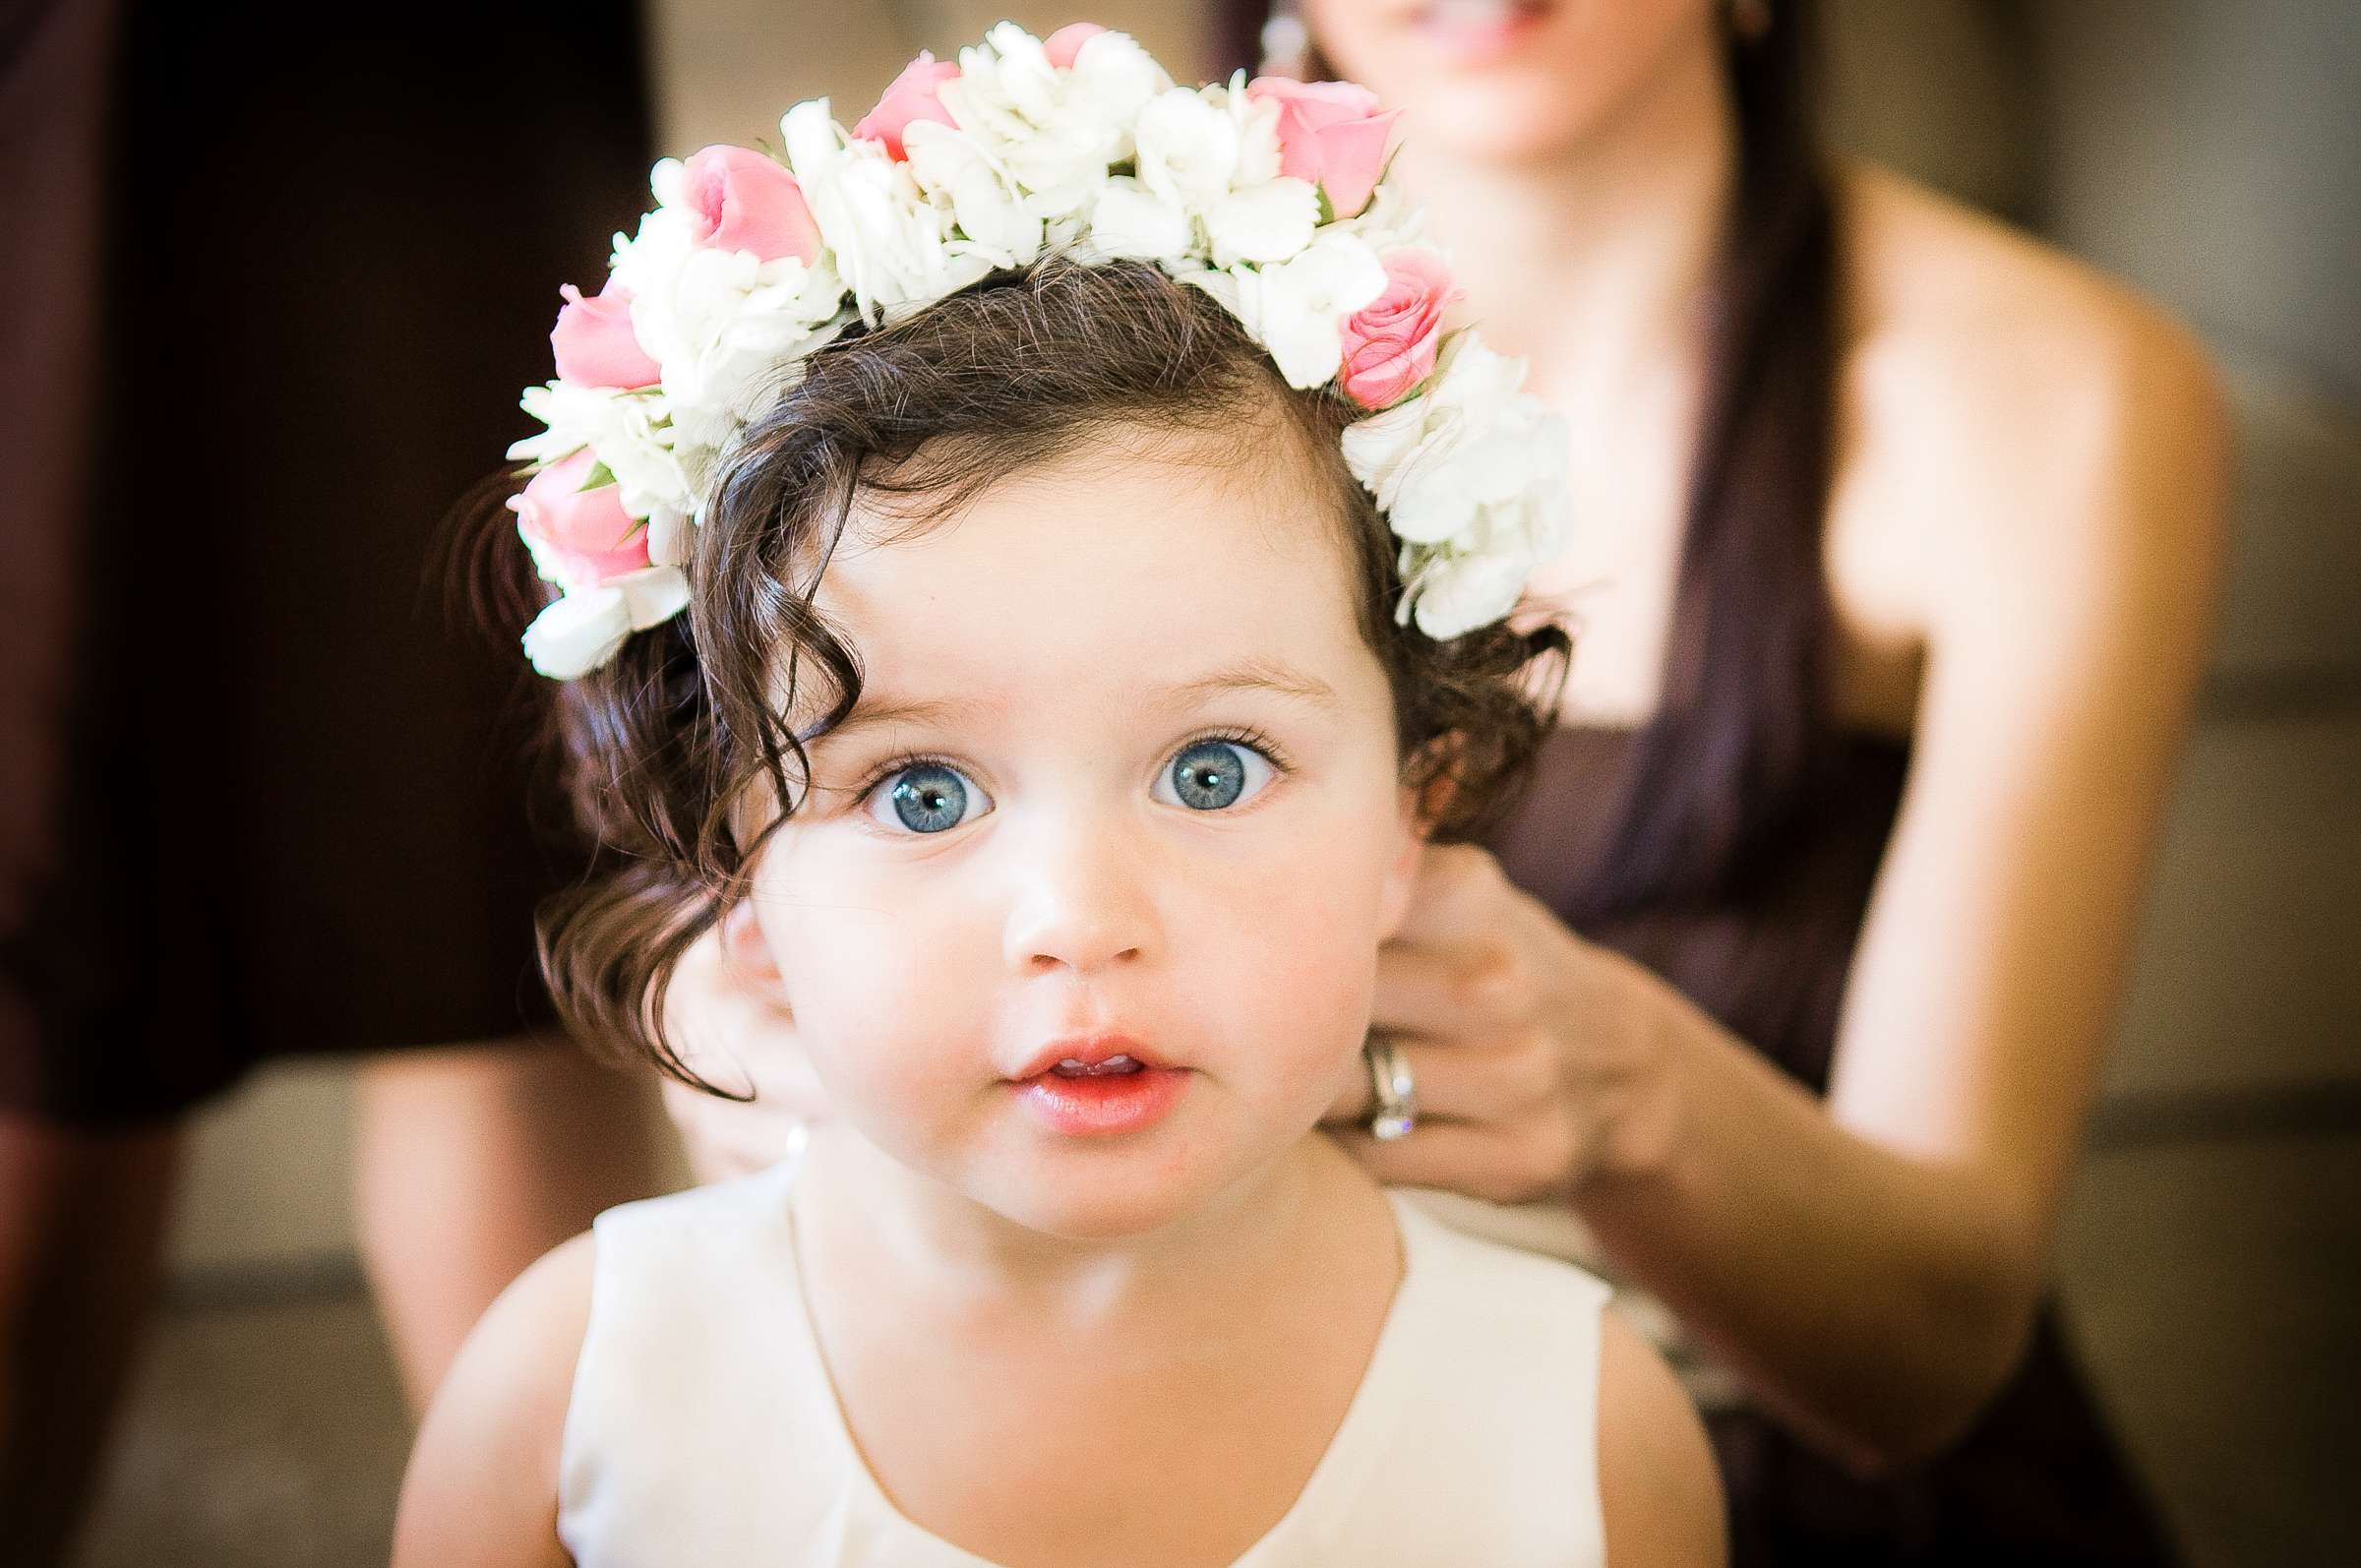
(1082,899)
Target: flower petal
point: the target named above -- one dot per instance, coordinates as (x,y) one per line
(578,633)
(1263,223)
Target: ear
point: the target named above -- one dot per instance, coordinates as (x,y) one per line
(746,954)
(1415,813)
(1408,850)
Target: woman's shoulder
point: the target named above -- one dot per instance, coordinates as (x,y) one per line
(2004,398)
(1928,276)
(1950,308)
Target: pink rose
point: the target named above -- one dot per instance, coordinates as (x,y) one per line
(1331,134)
(1062,45)
(745,201)
(593,341)
(592,537)
(914,96)
(1390,343)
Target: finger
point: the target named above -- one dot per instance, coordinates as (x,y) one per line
(1450,903)
(1448,991)
(1487,1082)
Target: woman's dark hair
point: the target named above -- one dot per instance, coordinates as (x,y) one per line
(1742,735)
(909,423)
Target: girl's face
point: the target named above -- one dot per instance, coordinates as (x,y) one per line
(1509,81)
(1123,779)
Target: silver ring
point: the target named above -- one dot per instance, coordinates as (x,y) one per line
(1397,1093)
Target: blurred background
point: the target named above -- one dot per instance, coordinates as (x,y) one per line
(2204,152)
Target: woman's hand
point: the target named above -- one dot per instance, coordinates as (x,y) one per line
(1540,1060)
(731,1027)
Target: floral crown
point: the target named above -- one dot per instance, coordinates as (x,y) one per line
(1271,196)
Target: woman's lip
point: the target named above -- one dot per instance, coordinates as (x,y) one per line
(1104,1104)
(1475,35)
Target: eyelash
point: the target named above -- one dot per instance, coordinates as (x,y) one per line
(1241,734)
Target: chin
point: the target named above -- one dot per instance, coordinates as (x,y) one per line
(1521,118)
(1082,1209)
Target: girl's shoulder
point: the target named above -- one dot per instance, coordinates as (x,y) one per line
(1479,1270)
(490,1470)
(482,1483)
(1516,1311)
(1660,1490)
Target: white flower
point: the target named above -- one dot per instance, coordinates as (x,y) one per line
(738,331)
(991,211)
(649,263)
(1454,594)
(1257,122)
(1051,133)
(1471,474)
(1390,222)
(726,327)
(1212,154)
(1110,77)
(1298,308)
(890,244)
(1130,221)
(1268,222)
(629,431)
(582,630)
(1477,576)
(1465,439)
(1189,150)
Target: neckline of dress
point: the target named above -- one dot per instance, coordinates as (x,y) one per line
(1319,1508)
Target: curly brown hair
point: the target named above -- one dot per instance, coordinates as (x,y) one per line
(915,419)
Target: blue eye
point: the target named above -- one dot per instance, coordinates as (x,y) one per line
(926,798)
(1213,775)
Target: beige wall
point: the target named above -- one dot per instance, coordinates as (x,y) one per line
(725,70)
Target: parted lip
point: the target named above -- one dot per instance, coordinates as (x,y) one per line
(1090,1050)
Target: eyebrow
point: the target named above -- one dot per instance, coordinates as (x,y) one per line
(1251,675)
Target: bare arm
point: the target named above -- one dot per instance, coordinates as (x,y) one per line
(1912,1218)
(482,1486)
(1870,1264)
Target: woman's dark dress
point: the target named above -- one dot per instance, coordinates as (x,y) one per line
(2037,1481)
(285,808)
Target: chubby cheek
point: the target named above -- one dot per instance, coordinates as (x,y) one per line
(1295,988)
(890,1009)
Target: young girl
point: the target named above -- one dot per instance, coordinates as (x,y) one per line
(1095,553)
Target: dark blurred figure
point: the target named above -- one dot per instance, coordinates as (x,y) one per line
(266,294)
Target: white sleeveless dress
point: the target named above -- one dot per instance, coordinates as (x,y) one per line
(703,1431)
